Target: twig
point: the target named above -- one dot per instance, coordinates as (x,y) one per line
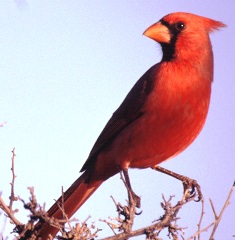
(65,217)
(8,209)
(201,231)
(9,212)
(201,217)
(12,196)
(218,218)
(165,221)
(125,219)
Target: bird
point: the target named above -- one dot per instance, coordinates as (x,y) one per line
(161,115)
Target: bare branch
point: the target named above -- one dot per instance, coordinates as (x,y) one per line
(201,217)
(217,219)
(8,209)
(123,222)
(168,220)
(12,196)
(9,212)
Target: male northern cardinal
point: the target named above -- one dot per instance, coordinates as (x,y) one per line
(161,115)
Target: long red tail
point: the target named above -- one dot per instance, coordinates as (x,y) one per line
(74,198)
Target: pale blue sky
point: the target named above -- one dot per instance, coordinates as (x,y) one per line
(65,67)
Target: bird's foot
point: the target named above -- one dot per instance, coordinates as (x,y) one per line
(133,198)
(191,187)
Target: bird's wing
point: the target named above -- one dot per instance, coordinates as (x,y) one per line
(130,109)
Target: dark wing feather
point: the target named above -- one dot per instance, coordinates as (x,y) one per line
(130,109)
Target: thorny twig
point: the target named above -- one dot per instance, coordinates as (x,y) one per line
(37,213)
(168,220)
(201,217)
(12,196)
(8,212)
(125,219)
(81,231)
(126,214)
(218,218)
(30,230)
(8,209)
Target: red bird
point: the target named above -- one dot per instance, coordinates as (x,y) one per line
(161,115)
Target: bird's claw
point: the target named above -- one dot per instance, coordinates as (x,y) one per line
(191,189)
(138,213)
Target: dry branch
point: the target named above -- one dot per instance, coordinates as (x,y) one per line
(123,223)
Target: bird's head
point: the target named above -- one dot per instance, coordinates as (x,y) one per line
(180,32)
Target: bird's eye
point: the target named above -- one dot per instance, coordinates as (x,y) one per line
(179,26)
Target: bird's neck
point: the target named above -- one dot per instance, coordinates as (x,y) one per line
(186,52)
(201,59)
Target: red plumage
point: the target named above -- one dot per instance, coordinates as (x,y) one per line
(162,114)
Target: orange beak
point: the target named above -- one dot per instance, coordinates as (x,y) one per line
(158,32)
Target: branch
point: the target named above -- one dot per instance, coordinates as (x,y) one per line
(218,218)
(9,212)
(201,217)
(168,220)
(8,209)
(164,222)
(12,196)
(123,222)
